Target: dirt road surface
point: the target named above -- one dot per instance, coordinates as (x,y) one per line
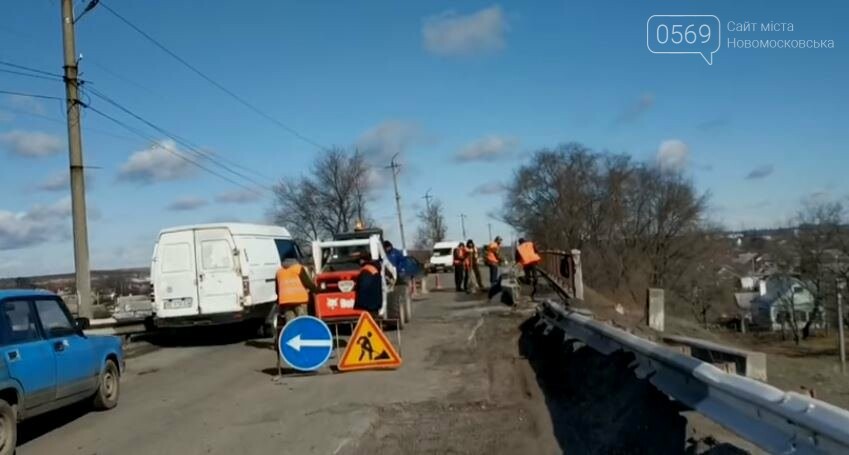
(476,379)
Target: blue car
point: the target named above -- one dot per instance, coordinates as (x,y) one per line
(48,362)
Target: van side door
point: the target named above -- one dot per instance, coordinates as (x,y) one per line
(219,277)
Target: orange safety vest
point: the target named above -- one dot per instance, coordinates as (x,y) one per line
(290,290)
(370,269)
(527,255)
(491,258)
(459,255)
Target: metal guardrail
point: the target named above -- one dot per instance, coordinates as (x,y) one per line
(112,326)
(775,420)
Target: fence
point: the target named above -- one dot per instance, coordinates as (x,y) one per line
(564,269)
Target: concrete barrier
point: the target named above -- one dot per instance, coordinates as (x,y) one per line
(746,363)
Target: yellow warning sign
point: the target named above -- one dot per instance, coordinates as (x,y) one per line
(368,348)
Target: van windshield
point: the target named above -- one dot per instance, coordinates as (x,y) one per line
(441,252)
(286,249)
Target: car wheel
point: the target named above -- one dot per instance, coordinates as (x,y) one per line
(8,428)
(109,388)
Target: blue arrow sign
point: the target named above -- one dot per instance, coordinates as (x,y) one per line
(305,343)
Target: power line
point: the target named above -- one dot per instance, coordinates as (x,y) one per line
(35,76)
(209,79)
(168,149)
(31,95)
(190,146)
(27,68)
(7,108)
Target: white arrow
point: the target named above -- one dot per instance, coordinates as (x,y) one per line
(297,343)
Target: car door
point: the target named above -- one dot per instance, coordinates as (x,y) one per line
(219,281)
(27,356)
(76,363)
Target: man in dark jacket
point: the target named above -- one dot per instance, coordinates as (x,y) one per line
(369,287)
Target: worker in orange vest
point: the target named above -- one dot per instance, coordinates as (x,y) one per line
(295,290)
(493,259)
(460,277)
(528,257)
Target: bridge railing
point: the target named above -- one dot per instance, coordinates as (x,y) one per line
(564,268)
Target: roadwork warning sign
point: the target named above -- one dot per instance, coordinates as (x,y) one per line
(368,348)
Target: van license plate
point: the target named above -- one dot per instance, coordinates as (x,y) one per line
(173,304)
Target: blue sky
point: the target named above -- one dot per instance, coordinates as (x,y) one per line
(464,91)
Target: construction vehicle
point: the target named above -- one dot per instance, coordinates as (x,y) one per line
(337,268)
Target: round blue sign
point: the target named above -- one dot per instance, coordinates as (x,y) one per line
(305,343)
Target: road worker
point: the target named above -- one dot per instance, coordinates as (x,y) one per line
(473,270)
(369,287)
(295,291)
(528,257)
(460,276)
(493,259)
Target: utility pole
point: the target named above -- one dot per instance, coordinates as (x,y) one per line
(75,150)
(427,197)
(463,224)
(394,167)
(841,285)
(489,227)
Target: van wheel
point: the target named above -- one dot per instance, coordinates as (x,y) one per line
(8,428)
(109,388)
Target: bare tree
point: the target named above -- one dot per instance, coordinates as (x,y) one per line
(638,225)
(329,200)
(432,228)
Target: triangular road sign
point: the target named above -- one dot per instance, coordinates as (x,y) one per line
(368,348)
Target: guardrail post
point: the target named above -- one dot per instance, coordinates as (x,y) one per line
(577,276)
(654,309)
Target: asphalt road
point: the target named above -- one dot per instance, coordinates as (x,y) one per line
(223,398)
(476,379)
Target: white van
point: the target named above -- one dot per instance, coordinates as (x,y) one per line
(220,273)
(442,258)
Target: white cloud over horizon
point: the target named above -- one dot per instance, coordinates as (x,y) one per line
(31,144)
(490,148)
(673,154)
(158,163)
(453,34)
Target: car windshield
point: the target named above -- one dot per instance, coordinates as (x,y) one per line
(657,193)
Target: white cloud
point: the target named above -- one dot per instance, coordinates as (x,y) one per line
(31,143)
(672,155)
(156,164)
(488,188)
(60,181)
(490,148)
(187,203)
(238,197)
(41,223)
(27,103)
(452,34)
(386,139)
(760,172)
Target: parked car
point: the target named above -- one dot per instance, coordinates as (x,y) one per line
(211,274)
(442,258)
(49,362)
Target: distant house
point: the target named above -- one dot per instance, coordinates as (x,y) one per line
(777,296)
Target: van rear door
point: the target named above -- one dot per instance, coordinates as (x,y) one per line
(175,280)
(219,279)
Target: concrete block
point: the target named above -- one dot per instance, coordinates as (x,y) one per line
(655,310)
(747,363)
